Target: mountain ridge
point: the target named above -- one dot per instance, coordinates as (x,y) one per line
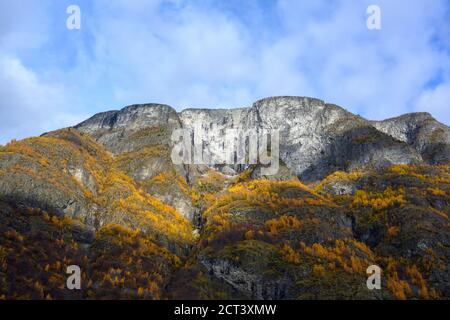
(274,111)
(106,196)
(271,98)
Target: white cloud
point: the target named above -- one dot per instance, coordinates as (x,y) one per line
(375,73)
(209,54)
(29,106)
(202,56)
(23,24)
(437,102)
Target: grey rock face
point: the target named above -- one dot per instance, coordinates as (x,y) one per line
(114,129)
(140,136)
(340,187)
(420,130)
(32,187)
(316,138)
(131,118)
(249,282)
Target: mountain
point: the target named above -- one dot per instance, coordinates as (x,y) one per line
(348,193)
(315,138)
(420,130)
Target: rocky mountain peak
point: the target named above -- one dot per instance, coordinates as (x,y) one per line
(137,116)
(316,138)
(420,130)
(348,193)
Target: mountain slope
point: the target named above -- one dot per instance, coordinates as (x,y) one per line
(106,196)
(88,213)
(420,130)
(315,138)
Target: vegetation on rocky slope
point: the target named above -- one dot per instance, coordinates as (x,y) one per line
(64,199)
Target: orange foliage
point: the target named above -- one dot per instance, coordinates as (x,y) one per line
(379,201)
(289,254)
(400,288)
(419,171)
(417,279)
(436,192)
(393,231)
(318,270)
(267,194)
(249,235)
(339,176)
(344,254)
(283,223)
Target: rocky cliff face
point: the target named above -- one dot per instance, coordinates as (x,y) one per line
(107,196)
(420,130)
(316,138)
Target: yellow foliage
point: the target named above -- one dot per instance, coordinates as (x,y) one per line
(211,182)
(282,223)
(379,201)
(417,279)
(164,218)
(343,255)
(249,235)
(436,191)
(438,212)
(289,254)
(393,231)
(318,270)
(418,171)
(267,194)
(340,176)
(400,288)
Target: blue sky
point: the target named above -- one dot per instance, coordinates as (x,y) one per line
(193,53)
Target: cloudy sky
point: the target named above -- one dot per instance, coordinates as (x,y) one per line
(205,53)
